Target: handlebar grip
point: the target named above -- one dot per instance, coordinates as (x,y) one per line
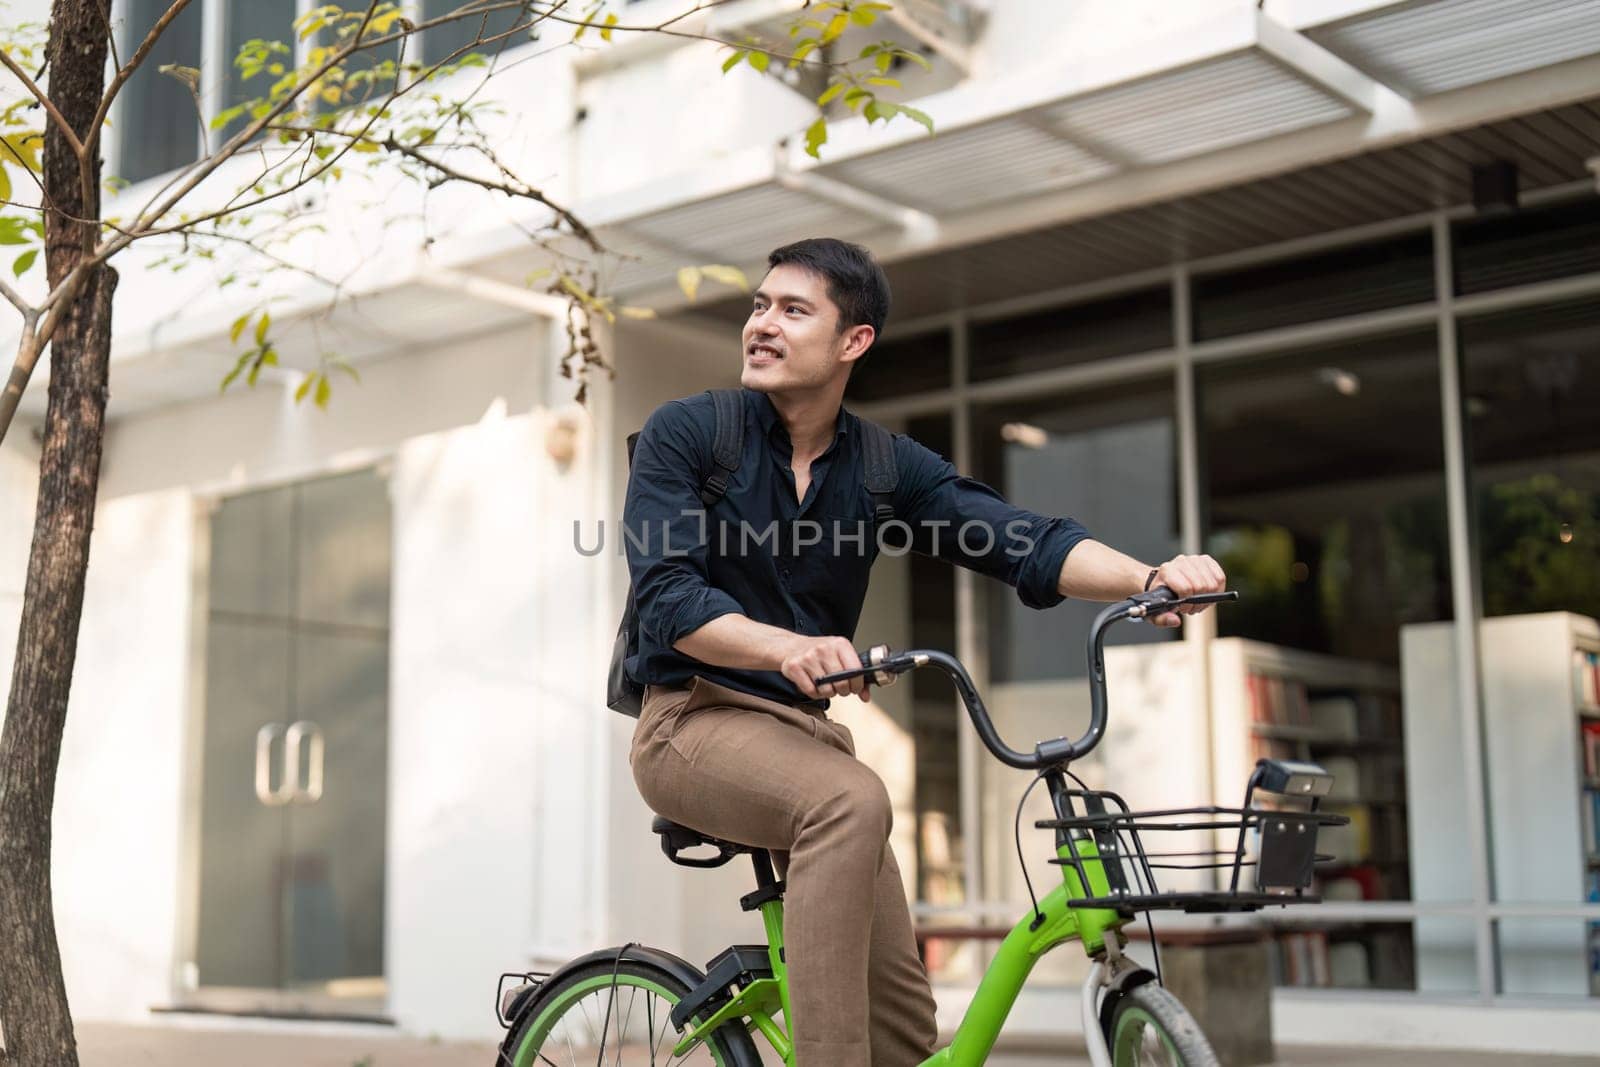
(872,659)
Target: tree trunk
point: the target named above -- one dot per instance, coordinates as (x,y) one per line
(33,1001)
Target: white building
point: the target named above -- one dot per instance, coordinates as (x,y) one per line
(1228,257)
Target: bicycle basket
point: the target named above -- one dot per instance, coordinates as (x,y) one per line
(1229,859)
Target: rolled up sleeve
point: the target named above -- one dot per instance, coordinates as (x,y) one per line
(967,522)
(665,530)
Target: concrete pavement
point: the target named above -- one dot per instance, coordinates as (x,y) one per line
(230,1043)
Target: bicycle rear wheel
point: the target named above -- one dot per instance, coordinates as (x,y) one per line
(618,1014)
(1150,1026)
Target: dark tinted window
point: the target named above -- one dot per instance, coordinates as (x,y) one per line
(443,42)
(1328,285)
(253,20)
(161,122)
(1077,333)
(1528,246)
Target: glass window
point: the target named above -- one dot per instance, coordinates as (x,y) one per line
(1106,457)
(899,366)
(1528,246)
(1328,285)
(909,732)
(1531,386)
(443,42)
(1325,500)
(253,20)
(160,117)
(1043,340)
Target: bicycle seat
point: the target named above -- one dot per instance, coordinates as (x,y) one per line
(675,836)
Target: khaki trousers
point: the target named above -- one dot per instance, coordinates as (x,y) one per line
(772,776)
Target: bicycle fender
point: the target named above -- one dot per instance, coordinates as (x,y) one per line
(1123,983)
(680,968)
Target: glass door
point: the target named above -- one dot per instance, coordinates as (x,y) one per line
(295,775)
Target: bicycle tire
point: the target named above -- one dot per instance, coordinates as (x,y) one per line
(1151,1026)
(578,1003)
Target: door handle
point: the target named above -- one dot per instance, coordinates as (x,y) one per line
(311,792)
(272,798)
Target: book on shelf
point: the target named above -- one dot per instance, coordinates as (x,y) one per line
(1590,810)
(1277,701)
(1591,749)
(1305,958)
(1586,678)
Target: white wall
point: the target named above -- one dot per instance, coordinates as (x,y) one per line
(19,486)
(119,797)
(493,781)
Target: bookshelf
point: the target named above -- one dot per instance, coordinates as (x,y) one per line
(1541,736)
(1270,701)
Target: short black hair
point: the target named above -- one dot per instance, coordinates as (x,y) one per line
(855,281)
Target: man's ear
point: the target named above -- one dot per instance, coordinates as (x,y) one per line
(857,339)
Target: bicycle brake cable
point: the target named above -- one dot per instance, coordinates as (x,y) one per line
(1149,923)
(1038,916)
(616,969)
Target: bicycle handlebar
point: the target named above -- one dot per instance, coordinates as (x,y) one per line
(883,666)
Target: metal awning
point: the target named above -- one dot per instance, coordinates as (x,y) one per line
(1013,156)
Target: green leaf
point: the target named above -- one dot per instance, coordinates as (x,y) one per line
(883,62)
(24,261)
(816,137)
(605,32)
(238,368)
(324,390)
(733,60)
(837,25)
(5,184)
(805,48)
(238,326)
(863,16)
(719,272)
(304,387)
(832,91)
(689,281)
(637,312)
(917,116)
(760,61)
(888,83)
(12,231)
(261,327)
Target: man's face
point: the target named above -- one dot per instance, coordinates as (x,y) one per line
(792,339)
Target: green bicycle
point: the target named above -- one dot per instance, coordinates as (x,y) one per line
(636,1004)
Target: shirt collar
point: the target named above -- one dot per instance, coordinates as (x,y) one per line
(769,417)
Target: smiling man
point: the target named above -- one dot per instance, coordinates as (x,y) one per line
(734,739)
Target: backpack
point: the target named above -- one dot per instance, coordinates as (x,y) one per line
(623,693)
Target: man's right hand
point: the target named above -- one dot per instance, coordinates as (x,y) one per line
(812,657)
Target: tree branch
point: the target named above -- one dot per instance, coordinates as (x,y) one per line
(29,312)
(49,106)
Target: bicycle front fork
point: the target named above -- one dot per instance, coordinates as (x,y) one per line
(1107,974)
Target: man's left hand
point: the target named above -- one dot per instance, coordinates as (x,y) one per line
(1186,576)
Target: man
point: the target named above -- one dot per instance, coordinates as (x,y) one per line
(738,616)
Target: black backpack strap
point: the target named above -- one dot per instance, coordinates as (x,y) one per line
(727,448)
(882,475)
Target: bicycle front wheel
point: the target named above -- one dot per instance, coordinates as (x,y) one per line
(1150,1026)
(618,1014)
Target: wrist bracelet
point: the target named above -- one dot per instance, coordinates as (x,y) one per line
(1153,572)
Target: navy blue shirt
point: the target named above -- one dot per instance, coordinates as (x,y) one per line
(800,564)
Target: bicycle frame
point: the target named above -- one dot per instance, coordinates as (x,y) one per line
(1036,933)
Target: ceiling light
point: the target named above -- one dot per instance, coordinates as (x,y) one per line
(1343,381)
(1024,434)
